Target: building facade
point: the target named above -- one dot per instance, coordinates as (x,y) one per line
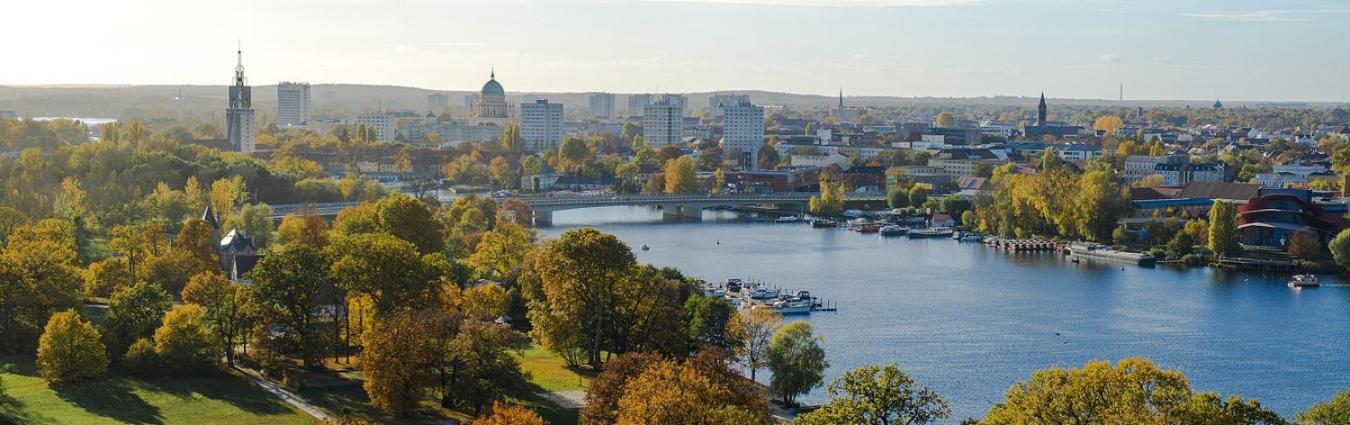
(743,132)
(492,107)
(719,102)
(602,105)
(241,128)
(541,125)
(382,123)
(663,124)
(292,104)
(637,104)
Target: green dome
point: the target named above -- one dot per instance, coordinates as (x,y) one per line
(493,88)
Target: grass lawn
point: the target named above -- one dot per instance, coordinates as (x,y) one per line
(550,372)
(225,399)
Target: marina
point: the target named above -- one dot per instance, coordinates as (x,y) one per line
(753,294)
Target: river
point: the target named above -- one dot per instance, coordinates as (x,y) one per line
(970,321)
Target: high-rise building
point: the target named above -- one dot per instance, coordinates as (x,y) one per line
(743,132)
(717,102)
(436,101)
(637,104)
(663,124)
(292,104)
(541,125)
(677,100)
(602,105)
(382,123)
(240,127)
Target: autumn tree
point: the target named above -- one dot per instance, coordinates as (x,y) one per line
(667,392)
(185,343)
(134,313)
(511,140)
(255,220)
(293,287)
(1306,244)
(502,249)
(877,395)
(227,309)
(1132,391)
(578,272)
(757,328)
(680,176)
(1331,412)
(602,396)
(509,414)
(37,278)
(400,351)
(516,211)
(796,360)
(1108,123)
(945,119)
(69,350)
(409,219)
(1223,232)
(386,270)
(310,230)
(104,277)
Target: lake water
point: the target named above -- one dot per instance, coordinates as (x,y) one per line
(970,321)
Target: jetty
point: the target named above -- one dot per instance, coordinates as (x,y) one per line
(1023,245)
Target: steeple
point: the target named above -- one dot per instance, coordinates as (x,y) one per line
(841,98)
(1040,112)
(493,74)
(239,66)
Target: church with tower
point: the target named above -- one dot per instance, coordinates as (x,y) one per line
(241,126)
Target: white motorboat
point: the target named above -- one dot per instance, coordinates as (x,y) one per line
(792,307)
(1304,281)
(788,219)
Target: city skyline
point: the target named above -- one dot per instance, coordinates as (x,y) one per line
(1242,50)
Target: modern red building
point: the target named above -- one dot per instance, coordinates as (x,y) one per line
(1273,216)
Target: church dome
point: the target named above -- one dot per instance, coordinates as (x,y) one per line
(493,88)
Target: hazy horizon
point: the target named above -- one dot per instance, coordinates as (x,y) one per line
(1242,50)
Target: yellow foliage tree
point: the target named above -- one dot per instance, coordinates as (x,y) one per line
(70,350)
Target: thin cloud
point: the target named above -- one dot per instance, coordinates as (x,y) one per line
(1163,60)
(1110,57)
(1285,15)
(833,3)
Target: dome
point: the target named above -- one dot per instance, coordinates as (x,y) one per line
(493,88)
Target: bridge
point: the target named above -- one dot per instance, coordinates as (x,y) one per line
(681,206)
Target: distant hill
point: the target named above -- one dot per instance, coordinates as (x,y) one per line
(207,102)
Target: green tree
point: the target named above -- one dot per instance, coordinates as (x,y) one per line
(1223,232)
(292,286)
(409,219)
(69,350)
(134,313)
(502,250)
(1133,391)
(1099,205)
(877,395)
(897,197)
(796,360)
(185,343)
(579,272)
(766,157)
(1333,412)
(757,329)
(227,308)
(511,139)
(485,368)
(386,270)
(255,220)
(1340,248)
(711,321)
(680,176)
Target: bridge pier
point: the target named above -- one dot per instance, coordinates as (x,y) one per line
(543,218)
(682,212)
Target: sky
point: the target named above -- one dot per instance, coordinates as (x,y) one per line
(1283,50)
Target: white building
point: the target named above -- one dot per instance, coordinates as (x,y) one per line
(240,126)
(382,123)
(663,124)
(743,132)
(676,100)
(541,125)
(718,102)
(637,104)
(292,104)
(602,105)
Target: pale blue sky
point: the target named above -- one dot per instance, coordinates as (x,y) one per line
(1179,49)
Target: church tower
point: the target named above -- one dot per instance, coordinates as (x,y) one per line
(1040,112)
(240,127)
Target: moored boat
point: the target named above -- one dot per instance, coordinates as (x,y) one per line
(893,230)
(930,233)
(788,219)
(822,223)
(792,307)
(1304,281)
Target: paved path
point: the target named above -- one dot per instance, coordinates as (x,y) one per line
(284,394)
(566,399)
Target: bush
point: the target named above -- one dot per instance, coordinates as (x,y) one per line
(69,350)
(141,358)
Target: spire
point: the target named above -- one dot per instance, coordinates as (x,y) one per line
(493,75)
(239,65)
(1042,98)
(841,98)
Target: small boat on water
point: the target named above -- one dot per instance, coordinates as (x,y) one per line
(733,285)
(930,233)
(969,237)
(792,307)
(868,228)
(822,223)
(761,293)
(791,219)
(1304,281)
(893,230)
(646,248)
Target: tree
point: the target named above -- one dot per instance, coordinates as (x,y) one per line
(388,271)
(667,392)
(758,327)
(680,176)
(516,211)
(578,272)
(1340,248)
(1108,123)
(711,321)
(226,306)
(1306,244)
(69,350)
(399,352)
(484,367)
(195,239)
(832,194)
(602,396)
(796,360)
(767,157)
(1333,412)
(1133,391)
(255,220)
(511,139)
(573,153)
(106,277)
(1223,230)
(502,249)
(184,343)
(37,278)
(897,197)
(719,182)
(1180,246)
(409,219)
(502,172)
(877,395)
(946,119)
(226,194)
(134,313)
(510,414)
(1099,204)
(293,285)
(309,230)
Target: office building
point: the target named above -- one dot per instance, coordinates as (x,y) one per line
(663,124)
(717,102)
(292,104)
(676,100)
(743,132)
(637,104)
(541,125)
(382,123)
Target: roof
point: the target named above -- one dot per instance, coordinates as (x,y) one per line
(237,241)
(209,216)
(1219,190)
(973,183)
(493,88)
(1152,193)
